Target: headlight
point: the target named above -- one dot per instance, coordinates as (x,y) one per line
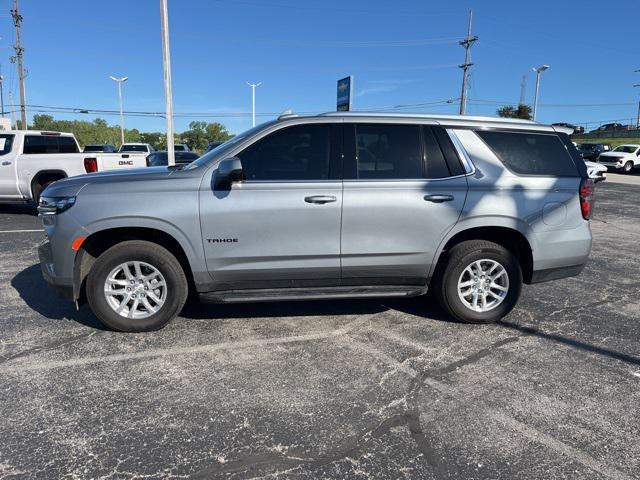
(55,205)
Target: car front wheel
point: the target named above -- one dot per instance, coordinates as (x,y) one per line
(628,167)
(480,282)
(136,286)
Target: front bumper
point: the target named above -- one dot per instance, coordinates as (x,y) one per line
(62,286)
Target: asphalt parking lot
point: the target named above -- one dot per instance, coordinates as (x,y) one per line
(350,389)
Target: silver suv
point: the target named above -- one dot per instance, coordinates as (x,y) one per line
(340,205)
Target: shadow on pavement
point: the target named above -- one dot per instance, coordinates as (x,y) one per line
(572,342)
(38,296)
(19,208)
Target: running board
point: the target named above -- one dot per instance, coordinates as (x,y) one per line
(321,293)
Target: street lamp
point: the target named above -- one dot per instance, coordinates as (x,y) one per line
(253,99)
(538,71)
(120,81)
(638,117)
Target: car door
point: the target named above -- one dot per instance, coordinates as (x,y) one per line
(280,226)
(403,190)
(8,176)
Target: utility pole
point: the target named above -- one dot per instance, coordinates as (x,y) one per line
(253,100)
(523,90)
(538,71)
(168,94)
(17,21)
(13,116)
(638,116)
(466,43)
(120,81)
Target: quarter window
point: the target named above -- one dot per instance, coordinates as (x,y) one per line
(388,151)
(531,153)
(294,153)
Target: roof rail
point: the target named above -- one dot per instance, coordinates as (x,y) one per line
(426,115)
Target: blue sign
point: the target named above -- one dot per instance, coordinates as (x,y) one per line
(345,86)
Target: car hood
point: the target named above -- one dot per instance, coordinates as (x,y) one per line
(72,186)
(614,155)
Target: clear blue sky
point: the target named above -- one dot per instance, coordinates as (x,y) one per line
(400,52)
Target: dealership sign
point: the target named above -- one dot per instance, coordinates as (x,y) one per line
(345,87)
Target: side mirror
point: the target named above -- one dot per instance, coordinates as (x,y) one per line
(229,171)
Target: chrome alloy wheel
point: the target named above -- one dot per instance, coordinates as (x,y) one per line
(135,290)
(483,285)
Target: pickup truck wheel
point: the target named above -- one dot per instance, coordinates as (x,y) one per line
(136,286)
(38,189)
(628,167)
(480,283)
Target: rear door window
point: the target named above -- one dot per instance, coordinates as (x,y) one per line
(388,152)
(526,153)
(40,144)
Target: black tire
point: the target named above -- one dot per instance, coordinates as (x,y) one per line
(148,252)
(458,258)
(628,167)
(37,190)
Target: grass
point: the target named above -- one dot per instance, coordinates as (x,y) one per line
(614,142)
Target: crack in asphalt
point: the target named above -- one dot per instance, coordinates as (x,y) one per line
(47,347)
(355,446)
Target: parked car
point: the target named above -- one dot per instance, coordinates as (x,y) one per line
(575,128)
(608,127)
(623,157)
(213,145)
(136,148)
(106,148)
(30,160)
(591,151)
(323,207)
(181,147)
(160,158)
(596,171)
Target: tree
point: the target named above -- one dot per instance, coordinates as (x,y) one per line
(201,133)
(509,111)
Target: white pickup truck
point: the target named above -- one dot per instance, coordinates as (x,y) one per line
(623,157)
(30,160)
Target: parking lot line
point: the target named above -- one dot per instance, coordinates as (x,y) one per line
(21,231)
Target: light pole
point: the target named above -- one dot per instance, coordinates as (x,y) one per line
(168,93)
(120,81)
(2,94)
(638,117)
(538,71)
(253,100)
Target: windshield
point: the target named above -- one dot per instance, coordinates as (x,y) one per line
(226,146)
(625,149)
(133,148)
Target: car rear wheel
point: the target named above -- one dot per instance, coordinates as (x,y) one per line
(480,282)
(628,167)
(136,286)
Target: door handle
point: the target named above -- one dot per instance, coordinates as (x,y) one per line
(438,198)
(320,199)
(6,162)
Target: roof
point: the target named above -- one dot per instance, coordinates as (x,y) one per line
(37,132)
(449,120)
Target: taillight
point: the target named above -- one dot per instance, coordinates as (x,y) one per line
(586,197)
(90,165)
